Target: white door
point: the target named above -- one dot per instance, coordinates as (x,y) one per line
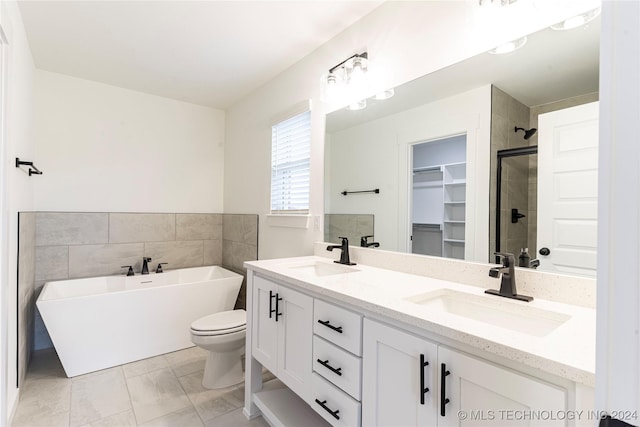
(392,374)
(264,328)
(295,333)
(482,394)
(568,190)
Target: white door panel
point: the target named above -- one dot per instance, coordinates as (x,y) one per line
(568,189)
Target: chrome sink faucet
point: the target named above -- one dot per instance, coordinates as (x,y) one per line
(344,255)
(508,282)
(145,265)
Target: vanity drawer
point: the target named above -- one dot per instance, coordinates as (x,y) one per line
(338,366)
(334,405)
(338,326)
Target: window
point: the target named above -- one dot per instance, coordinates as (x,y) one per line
(290,159)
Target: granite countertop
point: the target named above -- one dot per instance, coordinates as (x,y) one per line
(567,350)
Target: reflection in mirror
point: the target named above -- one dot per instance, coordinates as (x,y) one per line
(554,70)
(516,212)
(439,197)
(357,228)
(516,183)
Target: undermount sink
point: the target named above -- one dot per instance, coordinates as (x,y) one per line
(316,268)
(497,312)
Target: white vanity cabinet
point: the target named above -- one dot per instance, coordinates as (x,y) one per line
(410,381)
(281,333)
(348,361)
(399,378)
(337,364)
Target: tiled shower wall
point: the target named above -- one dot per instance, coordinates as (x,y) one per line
(70,245)
(507,113)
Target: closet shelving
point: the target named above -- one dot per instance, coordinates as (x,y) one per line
(455,186)
(443,203)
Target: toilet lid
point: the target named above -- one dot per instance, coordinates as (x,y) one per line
(222,321)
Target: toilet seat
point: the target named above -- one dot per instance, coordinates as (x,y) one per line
(222,323)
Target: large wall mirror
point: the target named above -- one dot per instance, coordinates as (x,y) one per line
(434,149)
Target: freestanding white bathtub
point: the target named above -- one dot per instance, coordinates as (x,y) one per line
(100,322)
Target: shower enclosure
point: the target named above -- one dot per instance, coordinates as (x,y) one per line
(516,204)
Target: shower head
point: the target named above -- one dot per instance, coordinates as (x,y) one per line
(527,133)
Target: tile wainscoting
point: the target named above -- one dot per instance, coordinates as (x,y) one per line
(351,226)
(71,245)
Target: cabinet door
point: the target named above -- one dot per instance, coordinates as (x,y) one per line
(295,332)
(481,393)
(264,327)
(392,393)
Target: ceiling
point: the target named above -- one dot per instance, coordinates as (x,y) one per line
(210,53)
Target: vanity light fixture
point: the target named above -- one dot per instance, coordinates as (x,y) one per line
(346,77)
(358,105)
(509,47)
(348,71)
(577,21)
(386,94)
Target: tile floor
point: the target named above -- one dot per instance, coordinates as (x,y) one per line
(160,391)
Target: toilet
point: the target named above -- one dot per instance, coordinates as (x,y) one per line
(223,336)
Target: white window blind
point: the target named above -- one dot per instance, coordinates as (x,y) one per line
(290,159)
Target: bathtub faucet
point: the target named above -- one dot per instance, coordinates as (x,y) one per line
(145,266)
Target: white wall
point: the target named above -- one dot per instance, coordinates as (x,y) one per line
(383,151)
(440,152)
(18,188)
(103,148)
(404,40)
(618,297)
